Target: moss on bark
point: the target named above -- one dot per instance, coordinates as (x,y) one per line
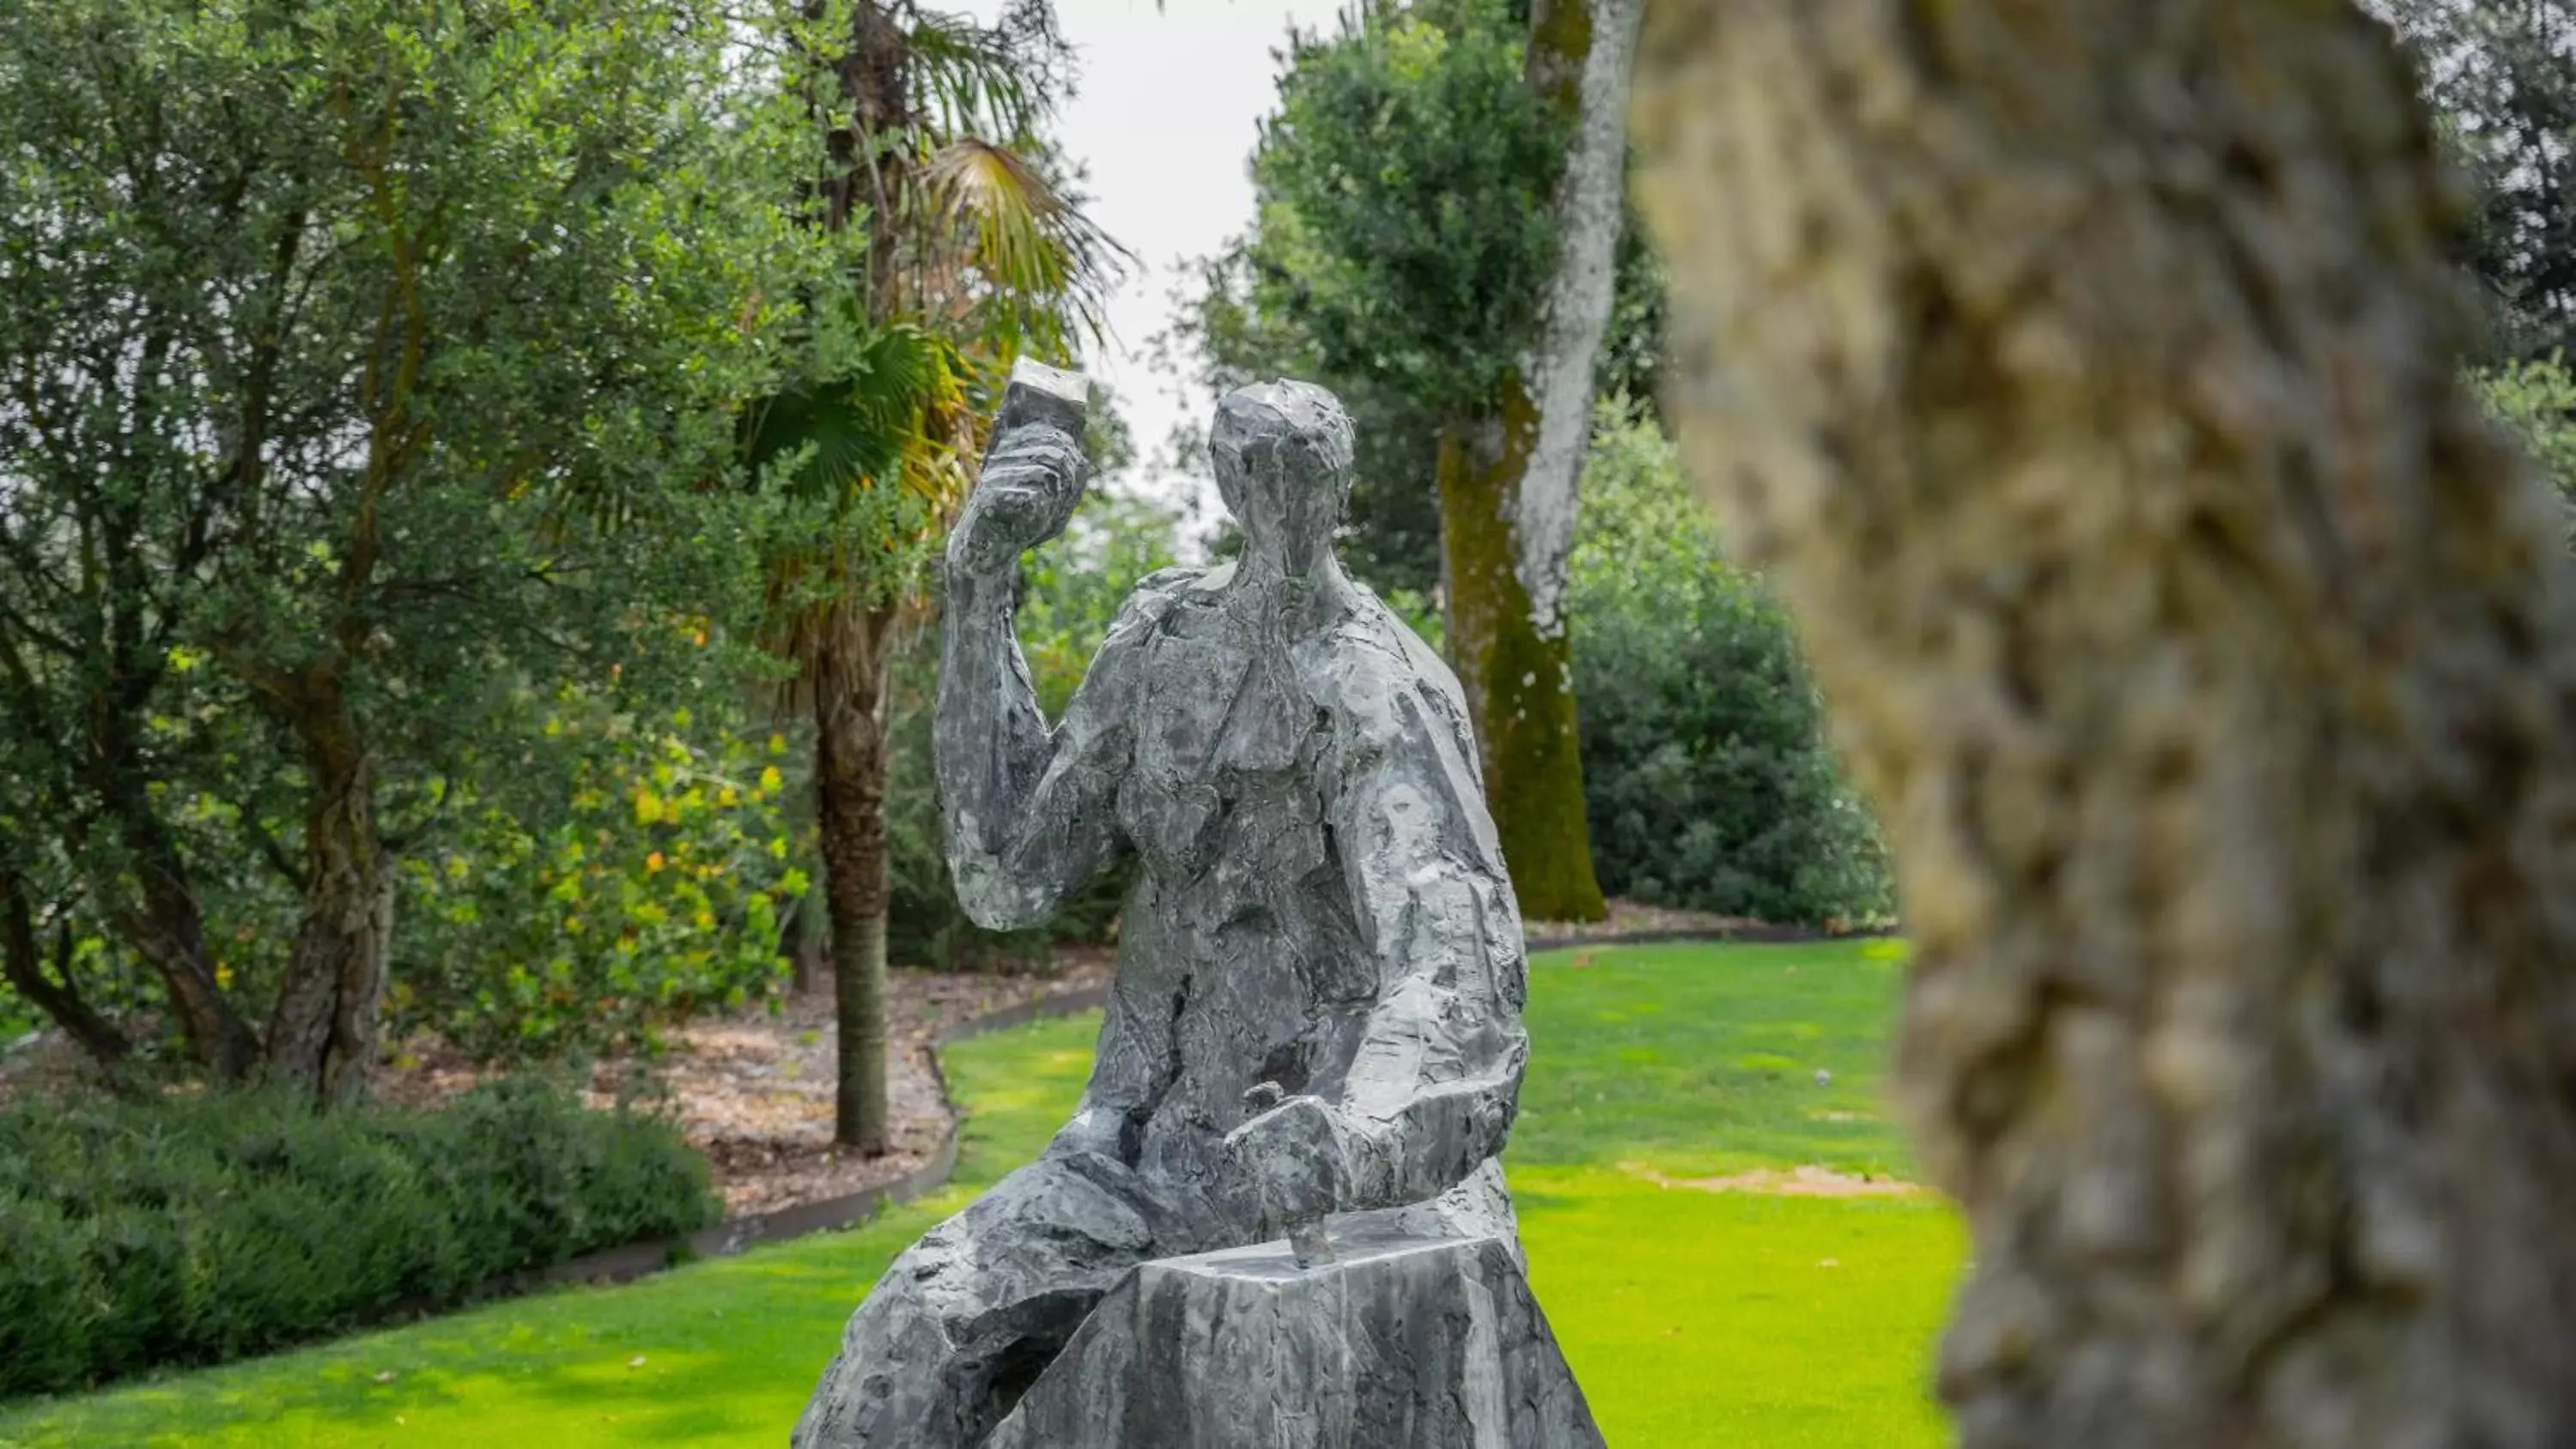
(1518,679)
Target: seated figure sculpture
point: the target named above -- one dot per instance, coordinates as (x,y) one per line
(1317,1005)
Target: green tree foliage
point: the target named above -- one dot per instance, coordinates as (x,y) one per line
(1704,763)
(192,1230)
(2537,401)
(629,873)
(1402,232)
(2501,74)
(364,361)
(1402,190)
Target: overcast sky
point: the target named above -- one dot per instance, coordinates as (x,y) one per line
(1165,119)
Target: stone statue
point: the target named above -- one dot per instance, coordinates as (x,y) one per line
(1317,1006)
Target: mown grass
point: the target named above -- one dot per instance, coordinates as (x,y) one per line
(1692,1317)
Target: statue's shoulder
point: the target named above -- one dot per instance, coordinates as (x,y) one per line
(1419,664)
(1179,579)
(1381,662)
(1162,591)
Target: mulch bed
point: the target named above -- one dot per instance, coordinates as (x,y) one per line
(753,1090)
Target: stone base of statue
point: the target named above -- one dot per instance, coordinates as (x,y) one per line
(1401,1342)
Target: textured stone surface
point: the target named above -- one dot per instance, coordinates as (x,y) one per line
(1410,1341)
(1317,1006)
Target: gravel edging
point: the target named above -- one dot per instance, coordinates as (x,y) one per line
(734,1235)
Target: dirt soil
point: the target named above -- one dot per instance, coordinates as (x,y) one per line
(1810,1180)
(753,1091)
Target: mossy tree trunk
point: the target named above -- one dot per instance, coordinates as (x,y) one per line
(1508,479)
(1518,678)
(2084,375)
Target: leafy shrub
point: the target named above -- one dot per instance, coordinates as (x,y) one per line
(191,1230)
(17,1018)
(627,870)
(2537,401)
(1706,778)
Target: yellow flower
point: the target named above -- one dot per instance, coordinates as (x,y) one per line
(771,782)
(653,863)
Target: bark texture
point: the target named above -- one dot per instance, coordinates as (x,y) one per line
(1582,54)
(1518,678)
(2083,374)
(1508,480)
(323,1035)
(850,689)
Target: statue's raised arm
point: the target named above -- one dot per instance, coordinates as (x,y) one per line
(1026,807)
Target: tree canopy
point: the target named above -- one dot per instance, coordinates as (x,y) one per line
(368,368)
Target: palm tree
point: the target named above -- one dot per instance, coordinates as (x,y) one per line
(971,256)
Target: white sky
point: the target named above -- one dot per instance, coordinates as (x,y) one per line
(1168,109)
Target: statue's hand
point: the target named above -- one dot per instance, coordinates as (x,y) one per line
(1031,482)
(1294,1153)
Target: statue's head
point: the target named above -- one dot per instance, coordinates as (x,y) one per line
(1283,466)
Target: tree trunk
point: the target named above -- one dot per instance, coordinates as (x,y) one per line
(849,691)
(166,928)
(1518,678)
(1582,54)
(2083,374)
(58,996)
(1508,481)
(323,1037)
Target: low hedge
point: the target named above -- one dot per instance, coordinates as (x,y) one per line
(192,1230)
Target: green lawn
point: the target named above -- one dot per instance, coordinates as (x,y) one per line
(1692,1318)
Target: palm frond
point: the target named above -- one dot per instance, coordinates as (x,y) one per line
(876,444)
(970,77)
(861,422)
(1049,264)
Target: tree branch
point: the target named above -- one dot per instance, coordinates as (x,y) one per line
(21,961)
